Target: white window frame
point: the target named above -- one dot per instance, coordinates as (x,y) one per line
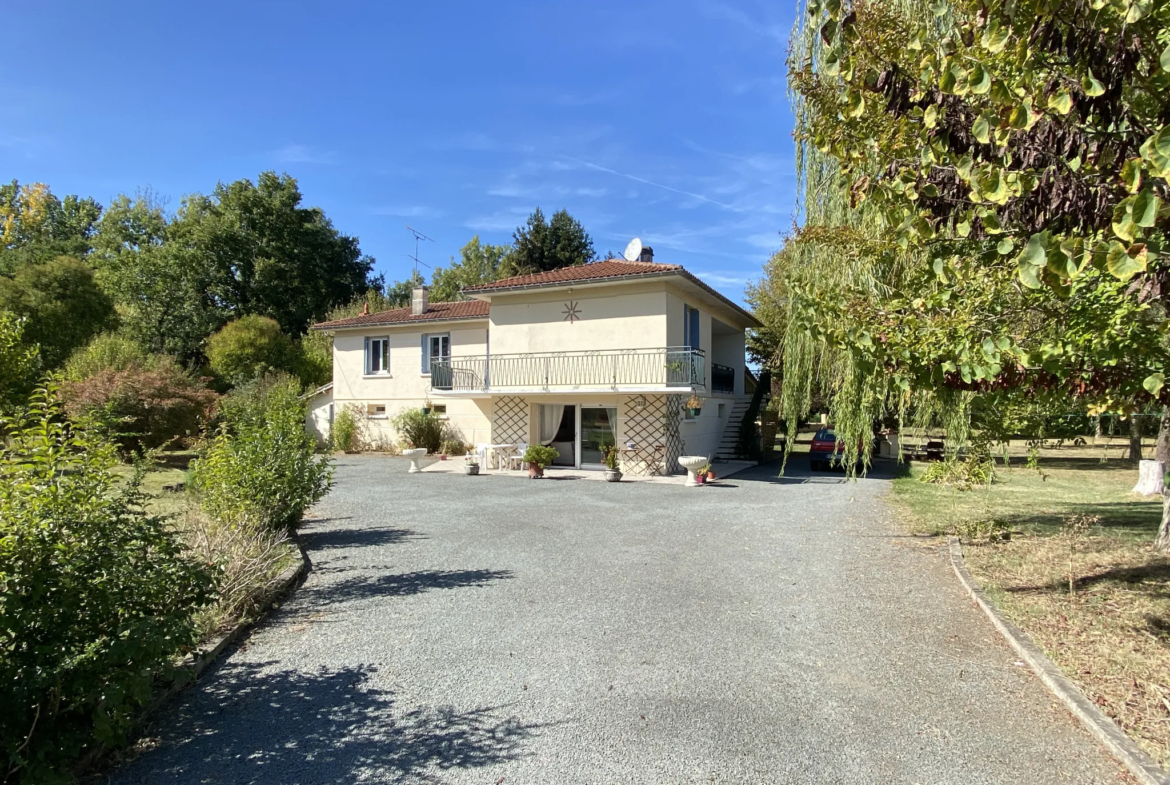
(427,353)
(371,342)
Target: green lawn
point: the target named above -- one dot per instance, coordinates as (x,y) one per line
(1111,634)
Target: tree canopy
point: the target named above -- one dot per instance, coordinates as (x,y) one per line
(540,245)
(36,225)
(478,263)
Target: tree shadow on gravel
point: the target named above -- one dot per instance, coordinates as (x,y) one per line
(356,538)
(402,585)
(331,726)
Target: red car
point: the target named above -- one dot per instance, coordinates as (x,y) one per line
(826,450)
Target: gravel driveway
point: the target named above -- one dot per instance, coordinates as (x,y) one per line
(496,630)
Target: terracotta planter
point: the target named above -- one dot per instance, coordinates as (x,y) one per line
(710,474)
(535,471)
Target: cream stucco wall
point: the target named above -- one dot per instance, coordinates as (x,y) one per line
(406,386)
(630,317)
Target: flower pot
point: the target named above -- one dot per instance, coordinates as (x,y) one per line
(613,475)
(535,471)
(710,474)
(426,410)
(471,469)
(695,411)
(700,478)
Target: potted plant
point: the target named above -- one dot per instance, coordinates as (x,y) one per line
(694,405)
(537,456)
(471,467)
(613,472)
(710,474)
(426,407)
(701,475)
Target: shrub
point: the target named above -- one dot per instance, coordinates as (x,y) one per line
(97,595)
(107,352)
(260,467)
(419,429)
(344,433)
(18,361)
(540,455)
(250,347)
(144,406)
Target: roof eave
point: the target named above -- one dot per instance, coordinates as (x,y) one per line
(326,327)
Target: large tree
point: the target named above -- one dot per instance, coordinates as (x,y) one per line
(164,290)
(478,263)
(984,191)
(541,245)
(36,225)
(61,303)
(268,255)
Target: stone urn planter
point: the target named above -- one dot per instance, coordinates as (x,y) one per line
(415,456)
(692,463)
(613,475)
(471,469)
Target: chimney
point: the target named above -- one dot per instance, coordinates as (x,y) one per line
(647,254)
(418,300)
(366,308)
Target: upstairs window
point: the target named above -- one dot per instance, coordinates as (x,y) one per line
(691,327)
(435,348)
(377,356)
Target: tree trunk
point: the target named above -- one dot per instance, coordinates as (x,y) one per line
(1135,440)
(1098,432)
(1162,541)
(1163,450)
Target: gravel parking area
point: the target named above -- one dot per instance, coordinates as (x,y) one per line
(497,630)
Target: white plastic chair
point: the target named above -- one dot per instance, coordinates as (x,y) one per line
(481,451)
(518,458)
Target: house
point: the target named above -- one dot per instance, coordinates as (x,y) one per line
(576,358)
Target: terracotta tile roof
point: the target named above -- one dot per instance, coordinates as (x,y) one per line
(467,309)
(611,268)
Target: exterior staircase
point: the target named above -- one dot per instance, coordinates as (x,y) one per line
(726,450)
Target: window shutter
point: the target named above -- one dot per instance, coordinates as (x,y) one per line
(426,355)
(367,353)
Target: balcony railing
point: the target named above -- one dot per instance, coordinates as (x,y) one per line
(599,370)
(722,379)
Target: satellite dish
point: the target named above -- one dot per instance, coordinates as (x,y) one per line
(633,250)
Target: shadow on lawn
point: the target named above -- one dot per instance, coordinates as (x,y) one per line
(1151,580)
(247,724)
(1137,518)
(402,585)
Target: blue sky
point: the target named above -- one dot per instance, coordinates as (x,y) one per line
(667,120)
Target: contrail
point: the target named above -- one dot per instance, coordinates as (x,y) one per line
(636,179)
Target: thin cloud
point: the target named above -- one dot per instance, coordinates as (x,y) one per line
(303,154)
(726,280)
(723,11)
(408,211)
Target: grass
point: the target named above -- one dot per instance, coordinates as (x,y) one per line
(1111,634)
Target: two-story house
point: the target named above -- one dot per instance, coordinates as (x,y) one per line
(577,358)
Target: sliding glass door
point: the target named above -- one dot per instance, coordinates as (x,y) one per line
(598,431)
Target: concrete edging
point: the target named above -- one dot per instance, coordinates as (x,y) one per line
(1140,765)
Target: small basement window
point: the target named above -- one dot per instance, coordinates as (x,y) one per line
(376,410)
(440,409)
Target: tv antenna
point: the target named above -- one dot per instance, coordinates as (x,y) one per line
(633,251)
(417,236)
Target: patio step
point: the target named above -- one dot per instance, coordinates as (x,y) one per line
(726,450)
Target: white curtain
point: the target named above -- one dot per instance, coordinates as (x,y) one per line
(550,421)
(612,415)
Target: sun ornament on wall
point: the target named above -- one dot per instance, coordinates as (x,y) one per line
(572,312)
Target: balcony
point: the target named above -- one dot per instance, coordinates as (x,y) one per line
(641,370)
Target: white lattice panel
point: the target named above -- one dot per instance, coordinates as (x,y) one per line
(510,420)
(674,442)
(643,421)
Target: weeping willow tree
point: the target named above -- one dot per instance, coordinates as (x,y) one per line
(983,209)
